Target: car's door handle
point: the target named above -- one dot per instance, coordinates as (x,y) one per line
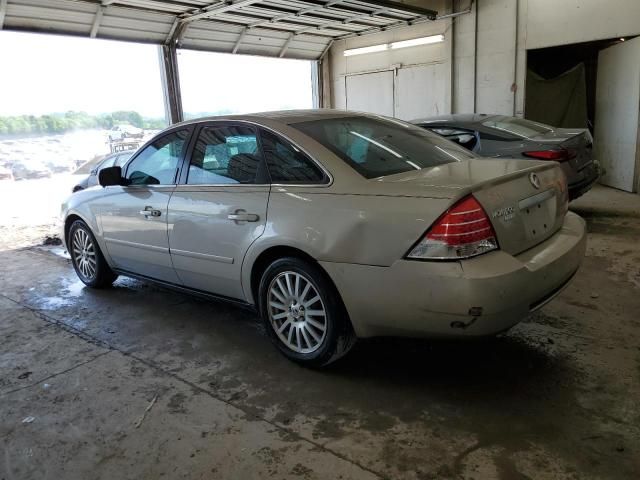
(150,212)
(243,216)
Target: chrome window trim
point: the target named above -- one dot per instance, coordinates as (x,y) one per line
(196,186)
(245,185)
(153,186)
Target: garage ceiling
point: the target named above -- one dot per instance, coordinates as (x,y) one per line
(286,28)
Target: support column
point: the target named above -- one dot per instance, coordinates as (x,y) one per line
(170,83)
(316,88)
(324,82)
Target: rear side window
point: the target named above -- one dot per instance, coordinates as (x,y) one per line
(225,154)
(377,147)
(287,163)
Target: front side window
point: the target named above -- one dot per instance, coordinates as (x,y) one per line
(287,163)
(157,164)
(225,154)
(377,147)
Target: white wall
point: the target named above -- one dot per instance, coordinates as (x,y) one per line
(487,67)
(561,22)
(464,48)
(440,53)
(495,74)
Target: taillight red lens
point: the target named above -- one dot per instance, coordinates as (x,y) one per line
(463,231)
(558,155)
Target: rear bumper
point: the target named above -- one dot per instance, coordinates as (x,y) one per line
(588,176)
(480,296)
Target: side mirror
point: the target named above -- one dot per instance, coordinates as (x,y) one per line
(110,176)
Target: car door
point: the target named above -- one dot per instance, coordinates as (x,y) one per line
(219,208)
(134,217)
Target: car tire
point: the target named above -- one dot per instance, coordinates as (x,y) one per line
(87,258)
(303,313)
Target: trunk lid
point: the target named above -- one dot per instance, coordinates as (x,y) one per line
(577,141)
(525,200)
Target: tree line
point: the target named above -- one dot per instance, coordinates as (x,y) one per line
(65,122)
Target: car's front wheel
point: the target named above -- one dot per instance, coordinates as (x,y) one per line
(303,313)
(87,259)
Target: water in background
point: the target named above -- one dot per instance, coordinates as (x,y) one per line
(31,207)
(59,153)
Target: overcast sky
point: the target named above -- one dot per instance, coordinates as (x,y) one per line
(48,73)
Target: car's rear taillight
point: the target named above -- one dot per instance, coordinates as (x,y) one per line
(463,231)
(558,155)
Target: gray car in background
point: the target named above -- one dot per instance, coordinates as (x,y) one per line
(512,137)
(93,168)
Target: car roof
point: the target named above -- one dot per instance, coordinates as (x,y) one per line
(288,117)
(456,119)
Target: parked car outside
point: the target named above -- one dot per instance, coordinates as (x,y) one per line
(333,225)
(512,137)
(59,165)
(28,169)
(5,173)
(124,131)
(94,167)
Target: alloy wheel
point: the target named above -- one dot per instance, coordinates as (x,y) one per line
(296,312)
(84,254)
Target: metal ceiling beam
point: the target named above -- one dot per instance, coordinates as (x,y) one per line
(304,11)
(176,33)
(405,8)
(402,23)
(333,16)
(243,19)
(3,11)
(96,21)
(285,47)
(335,24)
(220,7)
(239,41)
(289,22)
(325,51)
(172,31)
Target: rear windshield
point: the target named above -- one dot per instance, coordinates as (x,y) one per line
(376,147)
(517,126)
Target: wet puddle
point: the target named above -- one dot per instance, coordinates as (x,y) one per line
(69,293)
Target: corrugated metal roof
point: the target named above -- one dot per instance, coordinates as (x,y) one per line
(287,28)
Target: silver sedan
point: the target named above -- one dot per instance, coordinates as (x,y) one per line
(334,226)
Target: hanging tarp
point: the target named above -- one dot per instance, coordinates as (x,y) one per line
(559,101)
